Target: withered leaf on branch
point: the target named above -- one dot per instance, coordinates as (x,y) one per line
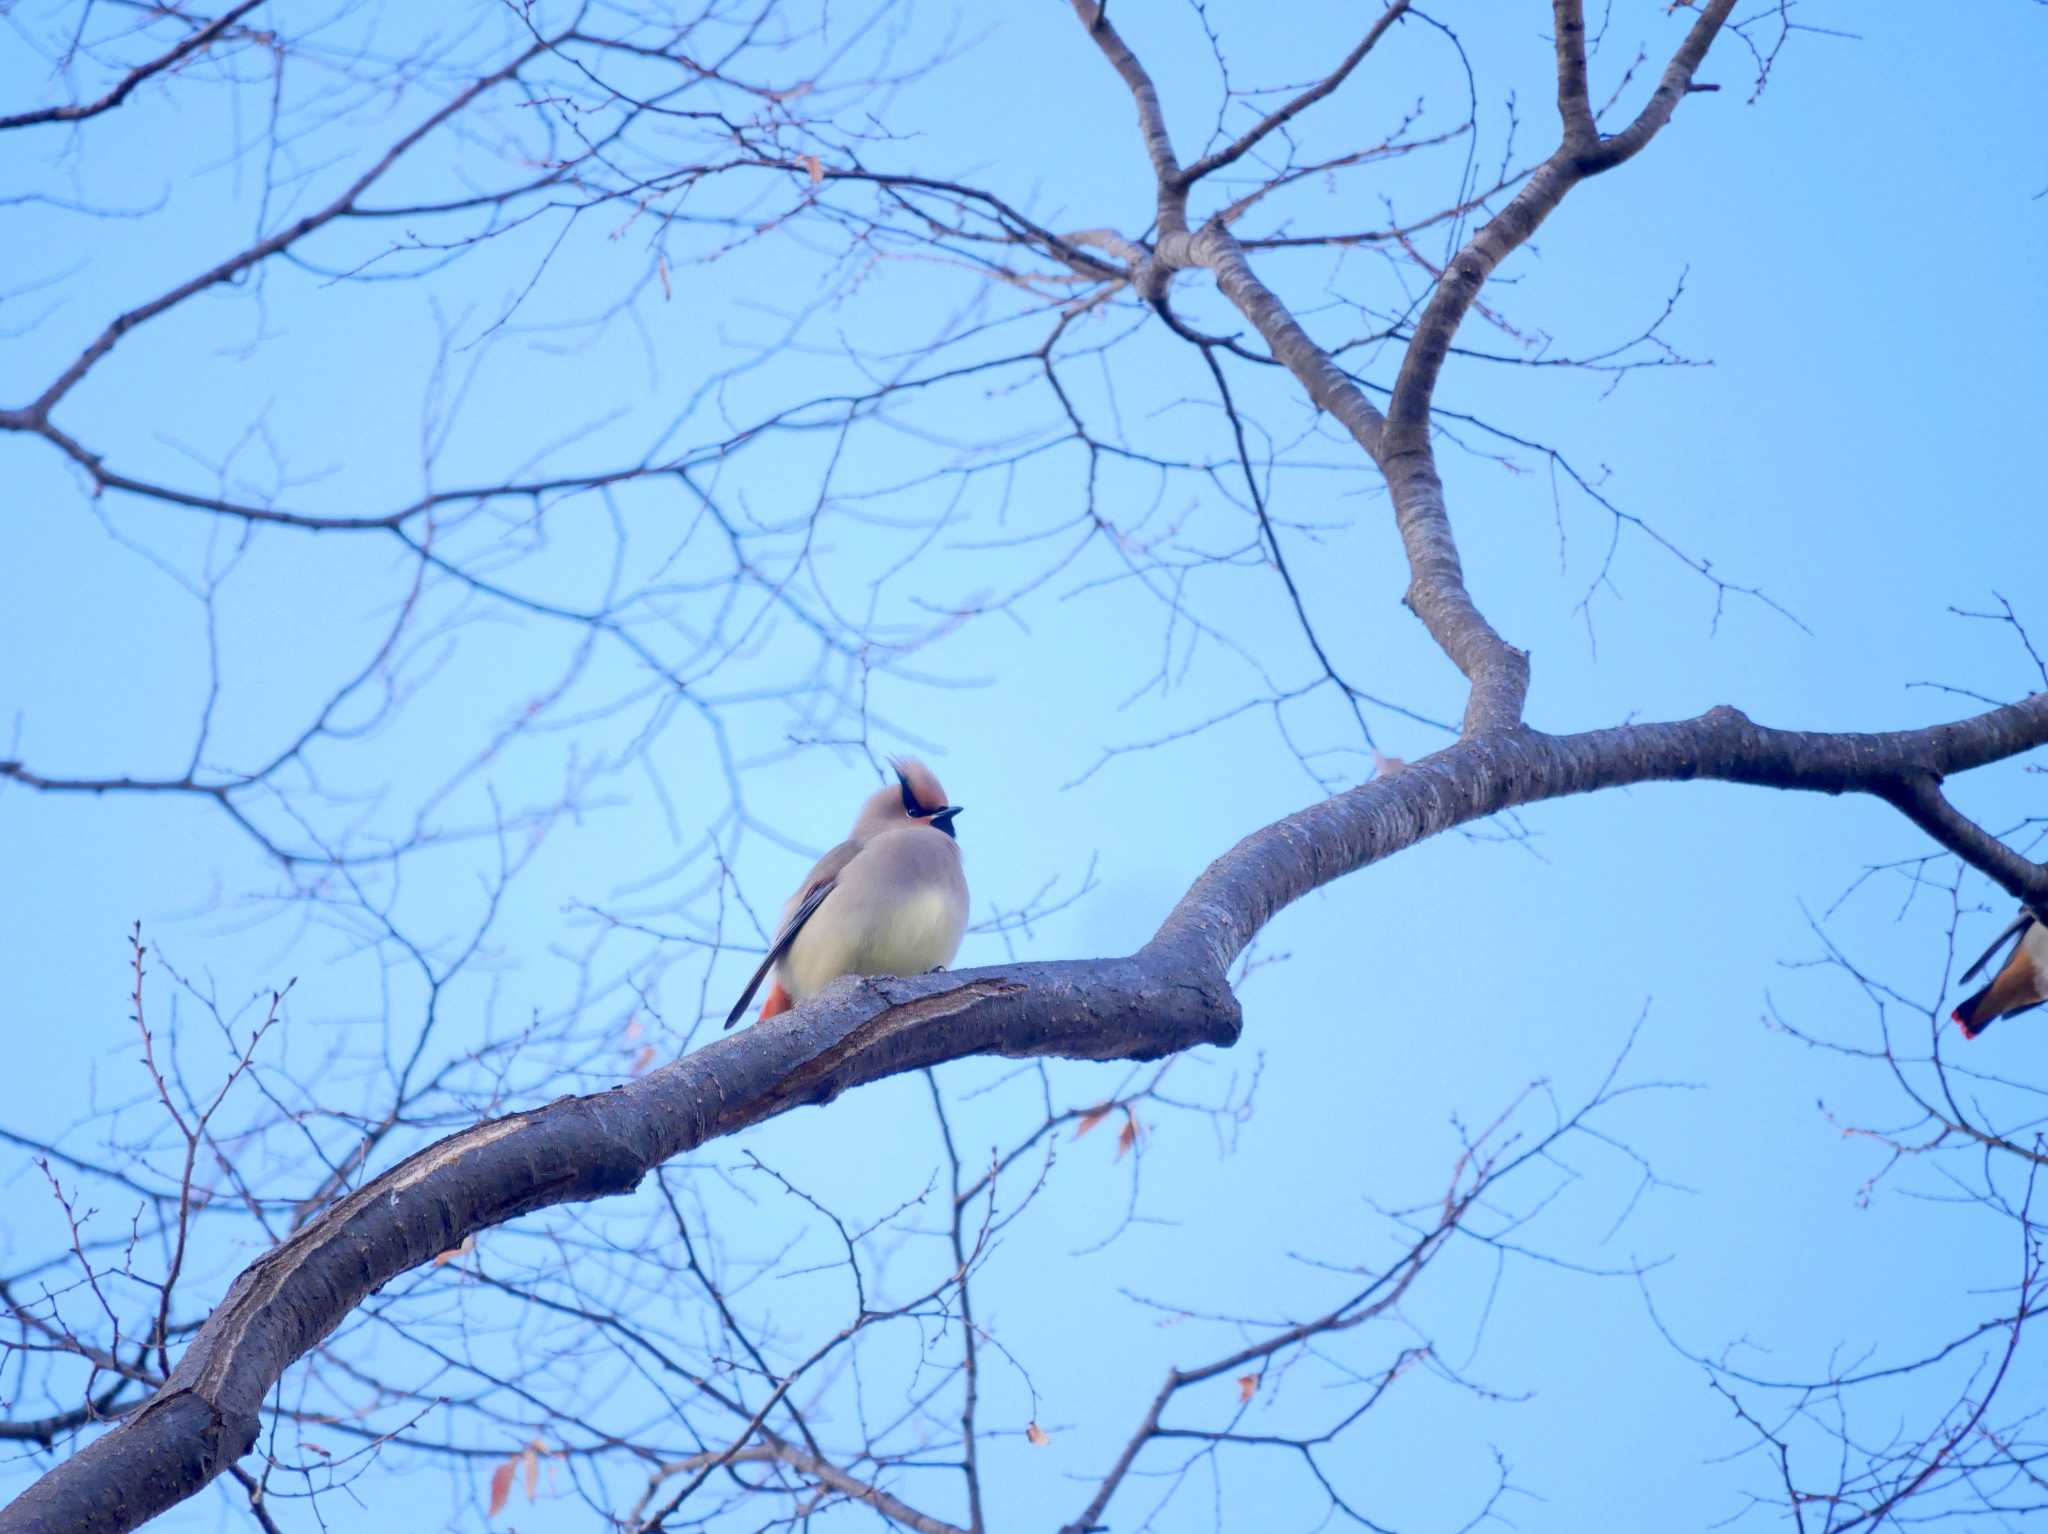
(501,1487)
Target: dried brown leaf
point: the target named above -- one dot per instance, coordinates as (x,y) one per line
(1091,1118)
(1037,1435)
(501,1486)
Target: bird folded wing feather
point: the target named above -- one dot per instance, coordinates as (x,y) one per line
(823,880)
(2019,926)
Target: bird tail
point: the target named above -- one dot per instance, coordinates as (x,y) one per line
(2014,989)
(777,1001)
(1972,1016)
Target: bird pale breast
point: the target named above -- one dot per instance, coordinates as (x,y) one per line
(911,926)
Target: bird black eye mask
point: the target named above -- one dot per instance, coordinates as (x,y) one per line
(910,805)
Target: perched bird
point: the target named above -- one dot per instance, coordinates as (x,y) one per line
(889,900)
(2020,985)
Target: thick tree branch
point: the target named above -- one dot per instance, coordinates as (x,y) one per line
(1482,775)
(1173,194)
(1169,996)
(1918,796)
(1574,102)
(1498,672)
(582,1148)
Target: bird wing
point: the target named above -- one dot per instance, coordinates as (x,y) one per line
(2018,927)
(824,878)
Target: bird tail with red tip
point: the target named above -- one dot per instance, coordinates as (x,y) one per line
(1968,1014)
(778,1001)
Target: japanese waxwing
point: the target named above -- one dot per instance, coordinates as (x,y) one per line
(889,900)
(2021,984)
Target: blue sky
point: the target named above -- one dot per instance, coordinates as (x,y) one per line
(1854,249)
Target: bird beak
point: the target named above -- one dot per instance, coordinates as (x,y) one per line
(944,819)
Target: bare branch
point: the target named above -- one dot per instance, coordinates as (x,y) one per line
(1280,116)
(202,38)
(37,413)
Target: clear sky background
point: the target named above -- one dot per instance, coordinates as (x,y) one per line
(1857,249)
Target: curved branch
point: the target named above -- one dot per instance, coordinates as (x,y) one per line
(38,413)
(1482,775)
(1919,798)
(78,112)
(1499,672)
(1170,996)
